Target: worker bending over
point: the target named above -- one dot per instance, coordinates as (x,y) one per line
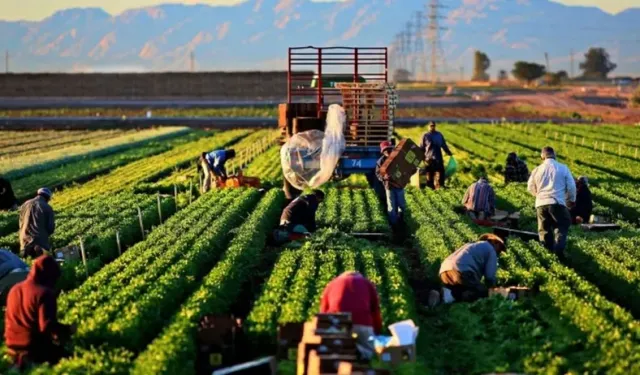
(37,224)
(433,143)
(12,271)
(32,332)
(461,273)
(480,200)
(300,215)
(8,199)
(582,209)
(516,170)
(212,165)
(396,203)
(353,293)
(552,184)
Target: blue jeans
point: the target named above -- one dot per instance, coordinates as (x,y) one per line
(395,201)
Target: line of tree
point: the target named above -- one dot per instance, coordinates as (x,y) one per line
(597,64)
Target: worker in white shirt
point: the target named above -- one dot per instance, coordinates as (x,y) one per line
(554,188)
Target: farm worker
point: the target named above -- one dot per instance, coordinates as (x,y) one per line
(36,224)
(433,143)
(12,271)
(461,273)
(516,170)
(480,200)
(394,193)
(8,200)
(32,332)
(300,215)
(353,293)
(212,165)
(582,209)
(552,185)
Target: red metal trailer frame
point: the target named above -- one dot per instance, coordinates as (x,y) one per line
(308,63)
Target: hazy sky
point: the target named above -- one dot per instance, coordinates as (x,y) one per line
(38,9)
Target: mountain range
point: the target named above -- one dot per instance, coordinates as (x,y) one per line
(255,34)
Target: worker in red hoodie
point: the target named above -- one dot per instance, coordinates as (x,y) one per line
(353,293)
(32,332)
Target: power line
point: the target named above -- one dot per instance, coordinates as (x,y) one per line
(572,66)
(419,59)
(408,46)
(434,38)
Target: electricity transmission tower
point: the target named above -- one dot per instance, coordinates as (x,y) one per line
(433,34)
(408,36)
(419,59)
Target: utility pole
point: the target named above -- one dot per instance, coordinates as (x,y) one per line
(402,50)
(572,66)
(419,62)
(192,63)
(6,61)
(434,38)
(462,73)
(546,59)
(409,54)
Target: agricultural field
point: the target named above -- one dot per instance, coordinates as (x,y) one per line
(161,254)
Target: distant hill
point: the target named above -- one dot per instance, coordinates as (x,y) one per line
(255,34)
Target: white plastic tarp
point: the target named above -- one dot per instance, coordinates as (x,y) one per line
(309,158)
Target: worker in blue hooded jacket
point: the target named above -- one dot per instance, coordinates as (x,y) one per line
(212,165)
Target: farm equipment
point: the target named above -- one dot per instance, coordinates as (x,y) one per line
(355,78)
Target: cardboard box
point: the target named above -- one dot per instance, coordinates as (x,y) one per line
(326,364)
(402,163)
(218,339)
(396,355)
(326,334)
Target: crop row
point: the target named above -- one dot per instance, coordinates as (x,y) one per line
(544,342)
(612,165)
(267,166)
(129,311)
(55,141)
(353,210)
(145,169)
(294,288)
(16,167)
(100,223)
(173,351)
(251,147)
(159,246)
(85,169)
(476,139)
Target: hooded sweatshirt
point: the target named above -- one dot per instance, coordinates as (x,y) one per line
(31,317)
(351,292)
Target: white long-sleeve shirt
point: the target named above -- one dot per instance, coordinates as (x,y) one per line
(552,183)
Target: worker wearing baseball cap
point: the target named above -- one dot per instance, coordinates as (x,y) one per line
(396,203)
(36,224)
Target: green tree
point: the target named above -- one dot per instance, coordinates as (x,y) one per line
(555,79)
(528,72)
(481,63)
(597,64)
